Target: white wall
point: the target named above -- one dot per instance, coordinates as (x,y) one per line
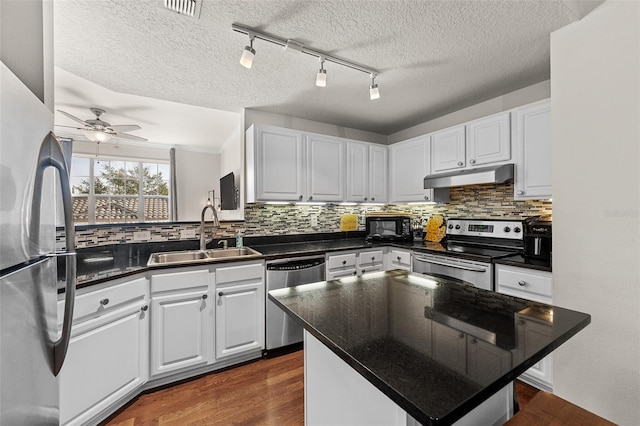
(595,92)
(232,160)
(196,174)
(527,95)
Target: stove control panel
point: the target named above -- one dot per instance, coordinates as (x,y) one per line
(511,229)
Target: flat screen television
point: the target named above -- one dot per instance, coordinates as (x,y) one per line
(228,199)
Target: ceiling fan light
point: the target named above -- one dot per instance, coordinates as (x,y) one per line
(321,78)
(97,136)
(374,92)
(247,57)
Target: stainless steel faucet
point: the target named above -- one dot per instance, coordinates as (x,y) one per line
(216,223)
(225,244)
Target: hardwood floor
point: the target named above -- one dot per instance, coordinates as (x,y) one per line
(265,392)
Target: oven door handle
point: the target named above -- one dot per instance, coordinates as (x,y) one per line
(466,268)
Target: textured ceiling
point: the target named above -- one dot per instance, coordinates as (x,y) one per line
(434,57)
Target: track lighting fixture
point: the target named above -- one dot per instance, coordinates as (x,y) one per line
(374,92)
(248,53)
(321,78)
(293,45)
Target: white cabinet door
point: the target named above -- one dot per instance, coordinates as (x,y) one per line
(448,150)
(239,319)
(532,140)
(108,356)
(398,259)
(489,140)
(180,330)
(357,172)
(378,173)
(325,168)
(275,164)
(181,320)
(531,336)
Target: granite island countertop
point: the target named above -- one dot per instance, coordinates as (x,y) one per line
(388,327)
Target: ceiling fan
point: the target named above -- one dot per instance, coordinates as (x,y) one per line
(97,130)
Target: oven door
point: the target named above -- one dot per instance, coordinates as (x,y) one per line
(479,274)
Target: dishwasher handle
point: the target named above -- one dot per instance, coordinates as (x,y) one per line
(295,265)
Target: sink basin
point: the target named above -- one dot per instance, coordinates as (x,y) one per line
(232,252)
(197,256)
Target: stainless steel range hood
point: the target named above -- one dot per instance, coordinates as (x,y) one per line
(495,174)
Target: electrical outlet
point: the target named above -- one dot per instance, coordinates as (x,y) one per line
(141,235)
(314,220)
(186,234)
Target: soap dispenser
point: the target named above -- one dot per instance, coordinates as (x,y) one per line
(238,238)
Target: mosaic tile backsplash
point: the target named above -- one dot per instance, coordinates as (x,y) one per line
(479,201)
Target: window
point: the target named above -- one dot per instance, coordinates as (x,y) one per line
(119,191)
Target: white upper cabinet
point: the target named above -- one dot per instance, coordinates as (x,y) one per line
(275,164)
(448,150)
(366,172)
(489,140)
(325,168)
(408,165)
(532,142)
(477,143)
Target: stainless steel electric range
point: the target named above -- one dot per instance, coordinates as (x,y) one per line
(470,248)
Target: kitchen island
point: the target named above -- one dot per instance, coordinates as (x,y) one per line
(399,348)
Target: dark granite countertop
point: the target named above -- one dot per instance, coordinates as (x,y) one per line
(381,325)
(526,262)
(99,264)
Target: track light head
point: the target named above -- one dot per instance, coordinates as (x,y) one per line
(248,53)
(321,77)
(374,92)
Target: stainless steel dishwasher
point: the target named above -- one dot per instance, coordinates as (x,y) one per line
(281,330)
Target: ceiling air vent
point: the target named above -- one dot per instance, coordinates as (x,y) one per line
(184,7)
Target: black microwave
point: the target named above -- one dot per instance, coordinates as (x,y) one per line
(388,228)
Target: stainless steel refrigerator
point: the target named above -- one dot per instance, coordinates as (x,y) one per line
(33,183)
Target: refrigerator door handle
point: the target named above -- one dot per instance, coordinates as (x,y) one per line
(51,155)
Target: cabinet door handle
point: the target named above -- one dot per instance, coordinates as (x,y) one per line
(344,262)
(460,163)
(355,273)
(474,341)
(104,302)
(300,197)
(520,192)
(522,283)
(399,258)
(426,198)
(310,198)
(472,161)
(144,308)
(373,198)
(204,296)
(461,336)
(219,294)
(373,258)
(365,198)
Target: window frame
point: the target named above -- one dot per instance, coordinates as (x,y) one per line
(141,196)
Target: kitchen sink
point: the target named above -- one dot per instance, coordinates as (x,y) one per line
(197,256)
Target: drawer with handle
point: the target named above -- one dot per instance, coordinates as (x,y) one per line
(529,284)
(98,301)
(373,257)
(341,261)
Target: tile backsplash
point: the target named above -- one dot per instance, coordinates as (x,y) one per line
(490,201)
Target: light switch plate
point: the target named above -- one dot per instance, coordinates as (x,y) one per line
(185,234)
(141,235)
(314,220)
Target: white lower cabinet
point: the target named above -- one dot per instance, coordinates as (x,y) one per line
(239,309)
(108,356)
(182,321)
(537,286)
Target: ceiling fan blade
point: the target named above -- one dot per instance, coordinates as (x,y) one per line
(70,127)
(74,118)
(125,127)
(131,137)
